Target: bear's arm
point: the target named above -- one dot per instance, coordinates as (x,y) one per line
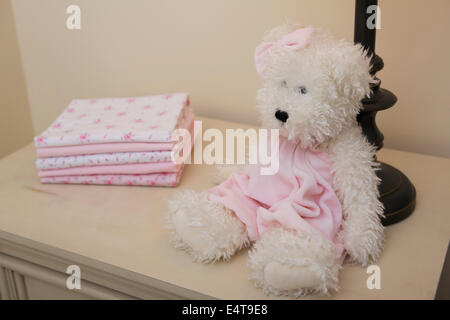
(356,185)
(223,171)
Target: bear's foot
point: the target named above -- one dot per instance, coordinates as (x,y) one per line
(205,229)
(293,263)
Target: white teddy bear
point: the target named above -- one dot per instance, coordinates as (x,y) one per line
(322,205)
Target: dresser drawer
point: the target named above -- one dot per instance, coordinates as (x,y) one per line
(20,279)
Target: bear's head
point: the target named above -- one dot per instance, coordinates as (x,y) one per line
(311,83)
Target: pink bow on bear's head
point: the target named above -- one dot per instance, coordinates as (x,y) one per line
(295,40)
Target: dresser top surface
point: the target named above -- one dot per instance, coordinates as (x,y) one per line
(123,226)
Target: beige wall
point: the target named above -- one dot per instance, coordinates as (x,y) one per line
(15,119)
(205,47)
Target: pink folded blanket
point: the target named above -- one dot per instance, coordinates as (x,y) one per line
(102,148)
(112,120)
(154,179)
(123,141)
(103,159)
(136,168)
(129,146)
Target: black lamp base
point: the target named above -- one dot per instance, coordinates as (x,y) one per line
(397,194)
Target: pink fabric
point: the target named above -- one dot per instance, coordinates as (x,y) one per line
(106,120)
(135,168)
(102,148)
(155,179)
(300,196)
(102,159)
(295,40)
(45,152)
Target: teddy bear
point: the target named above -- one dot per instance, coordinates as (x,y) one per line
(321,208)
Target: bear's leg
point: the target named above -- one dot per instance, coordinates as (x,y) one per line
(205,229)
(294,263)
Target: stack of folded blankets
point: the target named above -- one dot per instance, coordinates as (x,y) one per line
(117,141)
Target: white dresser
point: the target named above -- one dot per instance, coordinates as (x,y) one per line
(115,235)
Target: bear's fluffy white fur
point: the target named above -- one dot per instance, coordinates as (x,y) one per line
(335,76)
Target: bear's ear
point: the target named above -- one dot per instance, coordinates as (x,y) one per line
(350,71)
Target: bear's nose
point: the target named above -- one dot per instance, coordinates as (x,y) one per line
(281,115)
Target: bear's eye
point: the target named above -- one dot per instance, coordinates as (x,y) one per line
(302,90)
(283,84)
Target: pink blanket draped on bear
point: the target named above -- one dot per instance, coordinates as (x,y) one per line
(299,196)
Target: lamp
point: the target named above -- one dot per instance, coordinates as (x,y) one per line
(397,193)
